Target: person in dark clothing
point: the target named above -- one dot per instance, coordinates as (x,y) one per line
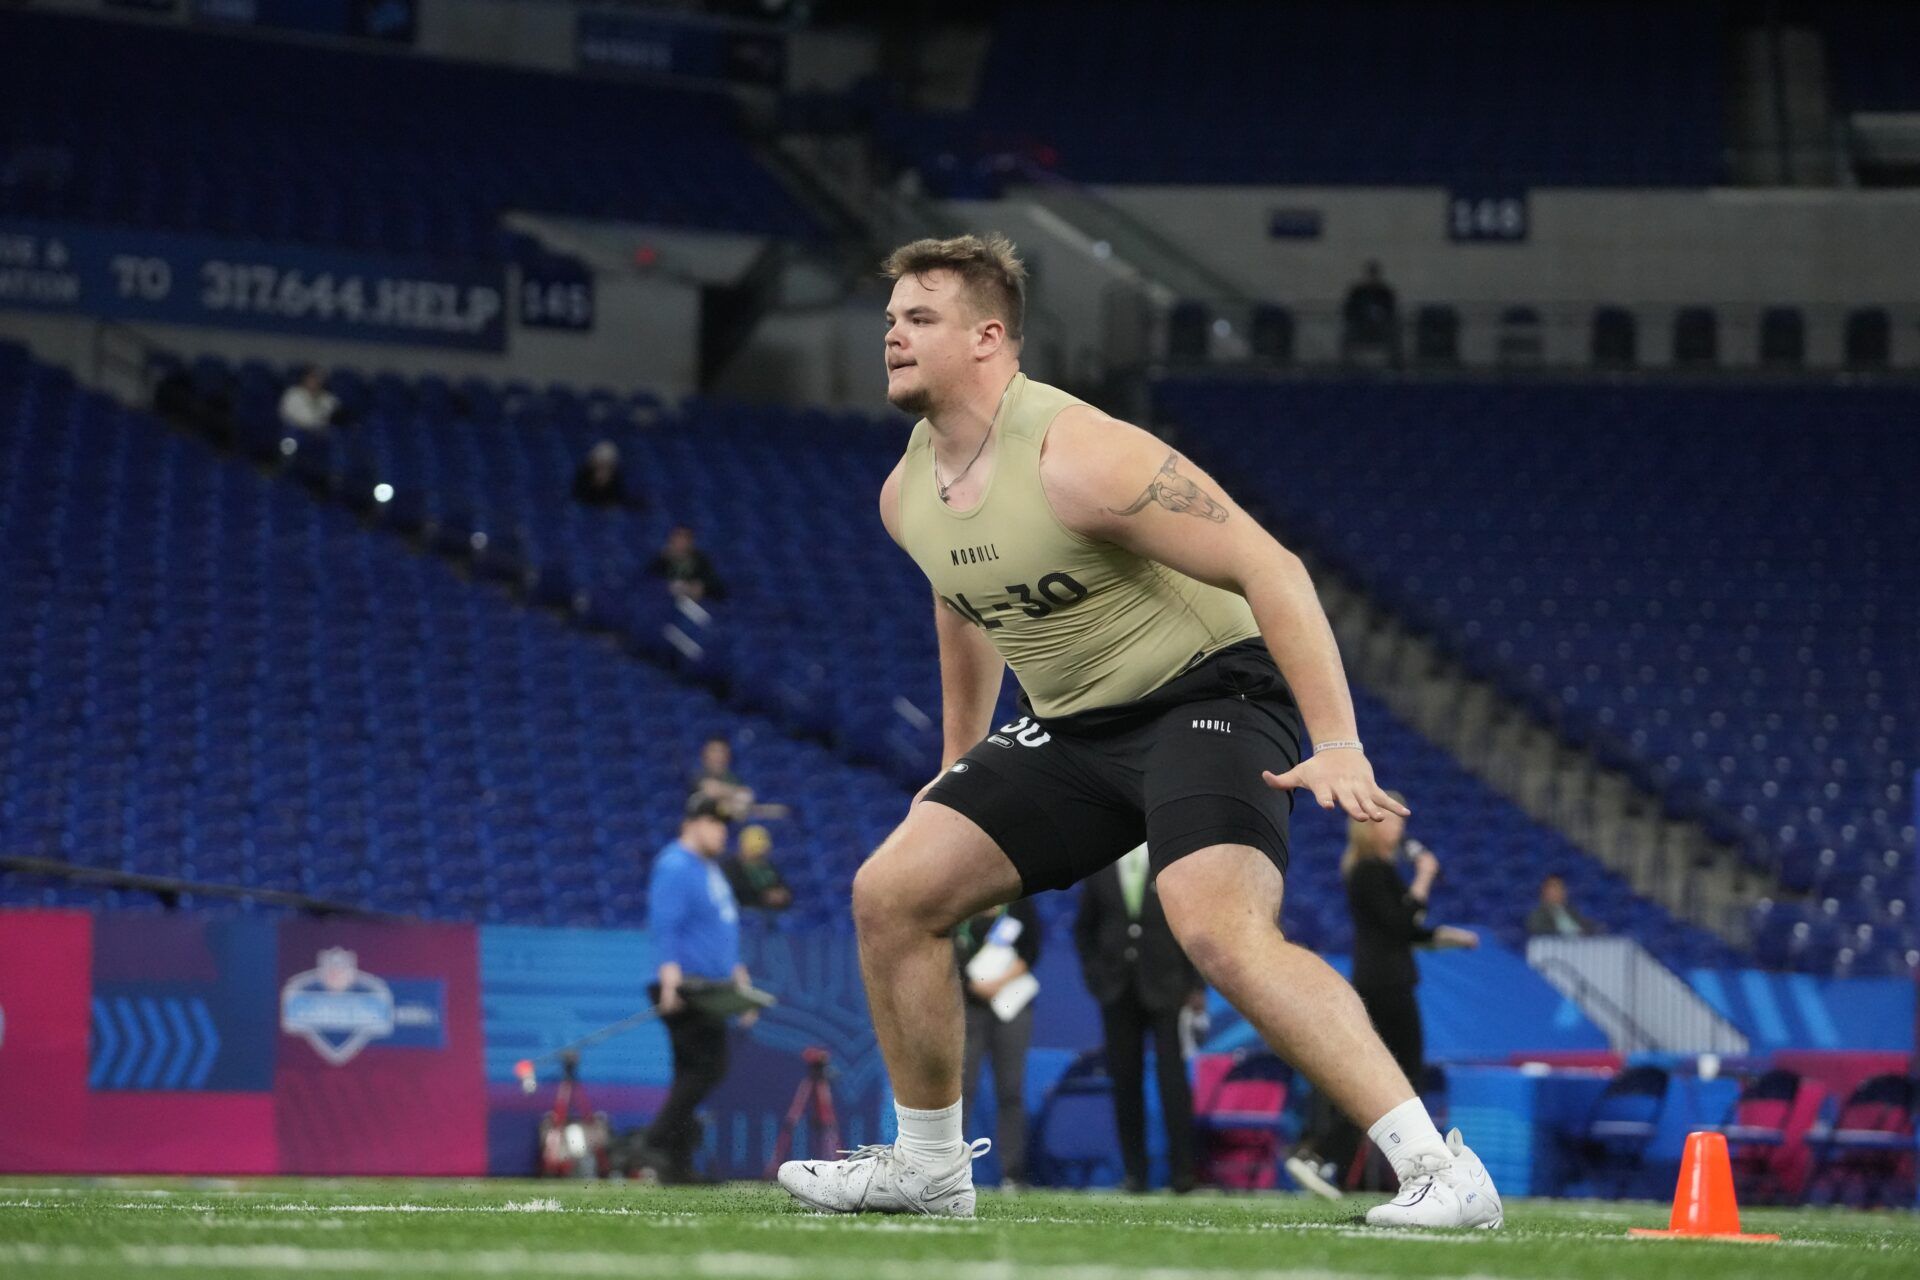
(757,883)
(716,779)
(1141,979)
(1554,917)
(987,972)
(688,571)
(600,481)
(696,931)
(1370,319)
(1389,920)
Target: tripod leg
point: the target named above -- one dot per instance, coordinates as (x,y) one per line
(827,1125)
(784,1143)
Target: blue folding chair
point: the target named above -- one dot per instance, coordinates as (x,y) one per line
(1623,1122)
(1073,1143)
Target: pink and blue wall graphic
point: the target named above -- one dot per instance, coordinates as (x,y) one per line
(138,1043)
(379,1043)
(162,1044)
(180,1060)
(46,959)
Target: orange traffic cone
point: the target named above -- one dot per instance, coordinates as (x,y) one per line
(1703,1202)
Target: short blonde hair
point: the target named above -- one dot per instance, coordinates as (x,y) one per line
(1350,858)
(992,276)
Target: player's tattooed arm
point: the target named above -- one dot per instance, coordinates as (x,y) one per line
(1176,493)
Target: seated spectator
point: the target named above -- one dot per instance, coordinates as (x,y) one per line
(307,405)
(1553,917)
(685,566)
(757,883)
(716,780)
(1370,319)
(600,482)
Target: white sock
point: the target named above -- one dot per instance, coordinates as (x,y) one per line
(1407,1132)
(931,1133)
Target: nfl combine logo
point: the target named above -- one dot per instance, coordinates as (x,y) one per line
(335,1007)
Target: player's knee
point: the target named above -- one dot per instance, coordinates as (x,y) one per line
(1222,943)
(872,895)
(1213,953)
(885,900)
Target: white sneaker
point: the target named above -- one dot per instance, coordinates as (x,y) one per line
(1444,1193)
(885,1179)
(1306,1174)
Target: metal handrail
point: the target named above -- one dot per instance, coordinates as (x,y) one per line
(1219,287)
(107,359)
(1641,1039)
(172,886)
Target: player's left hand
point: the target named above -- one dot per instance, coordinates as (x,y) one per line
(1342,779)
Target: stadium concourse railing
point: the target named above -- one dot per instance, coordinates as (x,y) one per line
(173,892)
(1185,314)
(1521,336)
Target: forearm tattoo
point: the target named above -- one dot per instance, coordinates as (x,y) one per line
(1176,493)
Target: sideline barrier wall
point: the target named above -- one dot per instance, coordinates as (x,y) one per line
(251,1044)
(166,1044)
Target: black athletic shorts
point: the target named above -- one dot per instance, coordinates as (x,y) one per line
(1179,768)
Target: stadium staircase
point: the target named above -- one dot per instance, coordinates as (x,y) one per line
(1600,809)
(1781,124)
(1681,634)
(1642,1005)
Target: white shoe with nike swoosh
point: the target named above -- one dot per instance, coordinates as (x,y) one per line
(885,1179)
(1444,1193)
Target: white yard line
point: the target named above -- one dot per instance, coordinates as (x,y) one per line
(714,1266)
(231,1214)
(270,1215)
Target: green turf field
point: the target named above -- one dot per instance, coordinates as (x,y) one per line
(279,1228)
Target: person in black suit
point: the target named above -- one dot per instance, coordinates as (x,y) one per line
(1142,979)
(1389,921)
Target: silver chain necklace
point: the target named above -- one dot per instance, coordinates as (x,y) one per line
(946,486)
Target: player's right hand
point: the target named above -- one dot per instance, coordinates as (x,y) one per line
(1342,780)
(670,1001)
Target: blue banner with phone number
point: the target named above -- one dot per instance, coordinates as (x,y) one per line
(175,279)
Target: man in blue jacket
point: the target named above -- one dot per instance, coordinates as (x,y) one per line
(696,933)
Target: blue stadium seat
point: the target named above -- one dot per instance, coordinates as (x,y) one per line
(1506,96)
(1688,583)
(158,126)
(825,633)
(209,674)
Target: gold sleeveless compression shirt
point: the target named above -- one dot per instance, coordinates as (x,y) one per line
(1082,623)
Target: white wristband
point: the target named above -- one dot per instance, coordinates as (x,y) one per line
(1339,744)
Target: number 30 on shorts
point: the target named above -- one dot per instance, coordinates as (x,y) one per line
(1025,732)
